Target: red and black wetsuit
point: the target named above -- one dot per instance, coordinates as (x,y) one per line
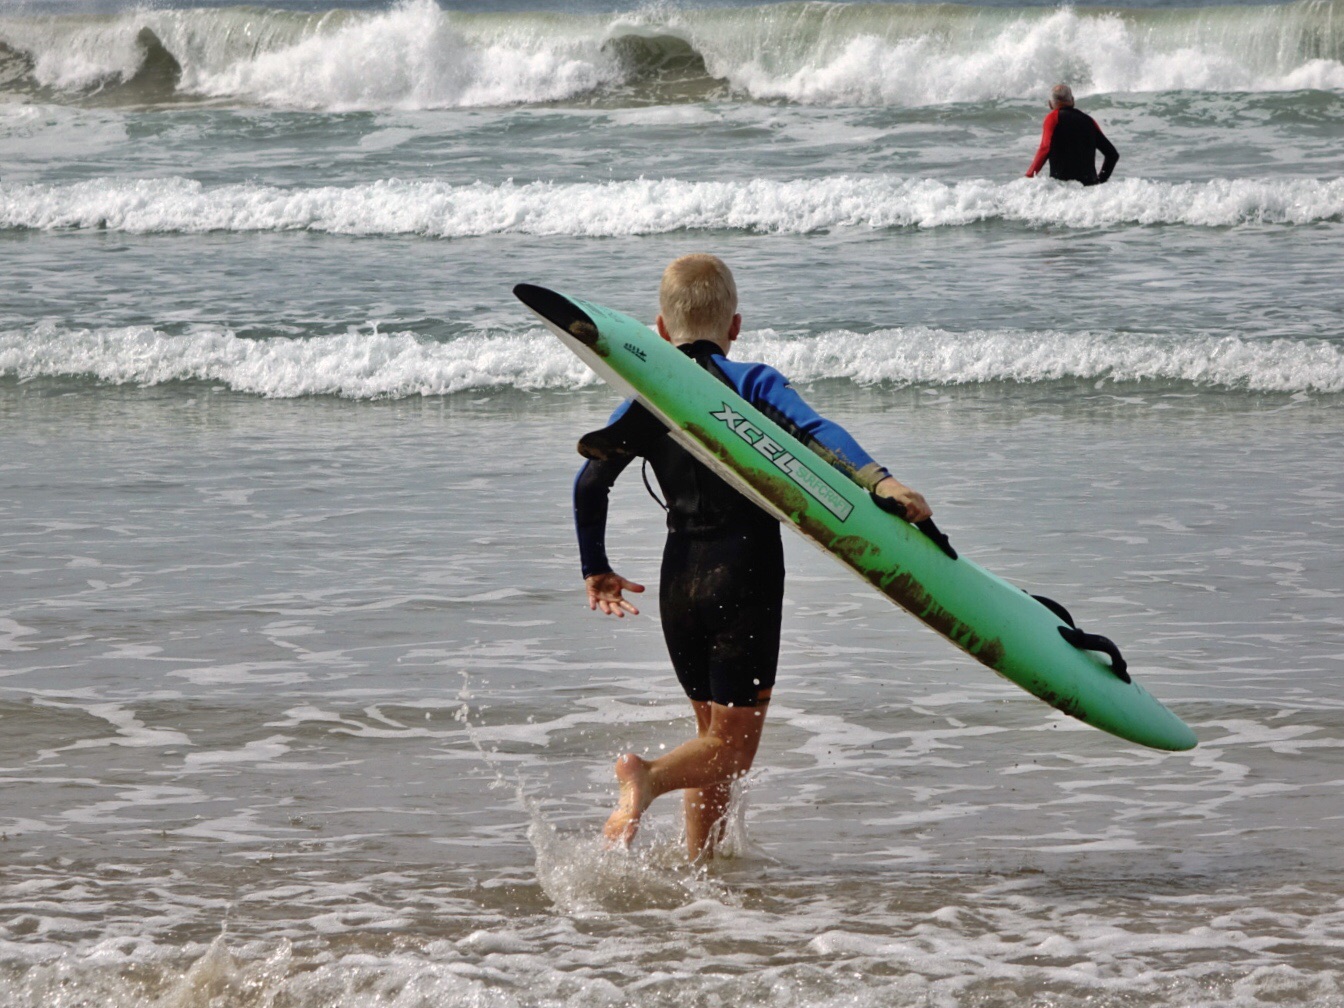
(1071,139)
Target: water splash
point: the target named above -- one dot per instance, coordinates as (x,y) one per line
(582,876)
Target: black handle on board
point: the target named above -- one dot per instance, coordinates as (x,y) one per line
(1087,641)
(926,526)
(1096,642)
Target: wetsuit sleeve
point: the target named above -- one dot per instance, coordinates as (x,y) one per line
(1047,135)
(592,490)
(770,392)
(1109,155)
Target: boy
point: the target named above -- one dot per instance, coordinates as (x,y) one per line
(722,581)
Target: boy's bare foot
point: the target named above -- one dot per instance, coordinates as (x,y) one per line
(636,794)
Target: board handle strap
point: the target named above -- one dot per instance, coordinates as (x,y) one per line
(1087,641)
(934,533)
(1096,642)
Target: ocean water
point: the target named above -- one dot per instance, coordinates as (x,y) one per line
(300,705)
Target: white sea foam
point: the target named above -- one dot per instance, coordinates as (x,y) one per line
(370,364)
(416,55)
(921,355)
(10,632)
(1008,54)
(357,365)
(863,947)
(130,730)
(658,206)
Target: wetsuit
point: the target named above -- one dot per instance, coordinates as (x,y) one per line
(721,589)
(1071,139)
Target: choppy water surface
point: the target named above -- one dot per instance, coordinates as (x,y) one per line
(299,703)
(316,675)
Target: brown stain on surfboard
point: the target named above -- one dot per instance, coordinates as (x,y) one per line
(1071,706)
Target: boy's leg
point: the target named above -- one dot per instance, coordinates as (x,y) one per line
(705,806)
(698,803)
(720,603)
(713,759)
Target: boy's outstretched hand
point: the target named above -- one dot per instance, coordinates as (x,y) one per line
(604,592)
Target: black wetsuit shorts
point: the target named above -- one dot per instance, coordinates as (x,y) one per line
(721,599)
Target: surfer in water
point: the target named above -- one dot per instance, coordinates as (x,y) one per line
(722,582)
(1070,140)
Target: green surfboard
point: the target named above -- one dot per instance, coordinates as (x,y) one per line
(1029,641)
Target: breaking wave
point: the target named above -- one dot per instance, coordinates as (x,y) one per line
(375,365)
(647,206)
(416,55)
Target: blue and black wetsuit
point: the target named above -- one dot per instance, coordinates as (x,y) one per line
(722,585)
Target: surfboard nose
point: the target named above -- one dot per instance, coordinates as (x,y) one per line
(559,311)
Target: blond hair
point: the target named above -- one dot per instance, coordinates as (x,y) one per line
(697,298)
